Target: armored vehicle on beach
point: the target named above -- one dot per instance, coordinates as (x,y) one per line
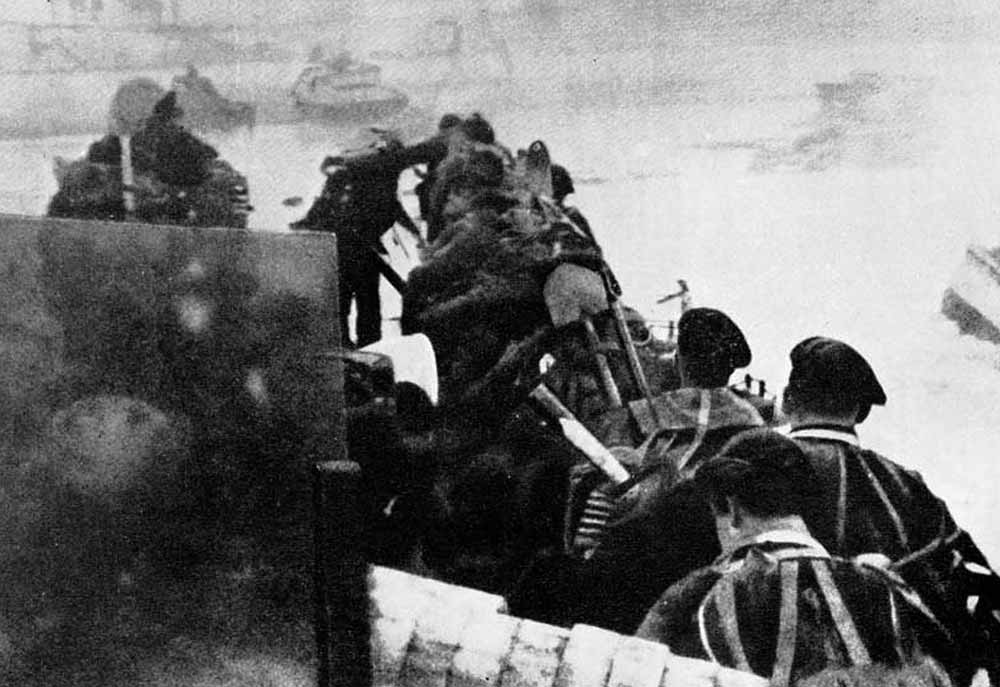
(344,87)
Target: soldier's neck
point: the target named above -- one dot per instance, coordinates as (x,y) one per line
(806,419)
(752,527)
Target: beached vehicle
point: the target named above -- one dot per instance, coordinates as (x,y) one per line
(344,87)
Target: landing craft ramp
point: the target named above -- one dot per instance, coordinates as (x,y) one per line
(162,403)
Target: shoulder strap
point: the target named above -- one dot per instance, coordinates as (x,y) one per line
(725,599)
(890,509)
(948,534)
(645,469)
(704,412)
(899,586)
(841,501)
(842,620)
(788,620)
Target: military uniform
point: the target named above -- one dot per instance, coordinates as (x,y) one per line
(562,186)
(871,504)
(662,510)
(662,529)
(432,152)
(780,606)
(359,204)
(166,150)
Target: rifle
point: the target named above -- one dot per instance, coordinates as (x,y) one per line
(390,274)
(614,291)
(580,436)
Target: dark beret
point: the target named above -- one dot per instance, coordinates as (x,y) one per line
(562,182)
(758,457)
(832,368)
(710,334)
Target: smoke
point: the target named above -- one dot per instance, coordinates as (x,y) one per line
(864,120)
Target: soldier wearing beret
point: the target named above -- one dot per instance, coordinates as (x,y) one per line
(872,504)
(167,150)
(691,423)
(433,151)
(776,603)
(562,186)
(661,529)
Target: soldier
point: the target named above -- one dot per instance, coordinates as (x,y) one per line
(434,150)
(870,503)
(694,421)
(471,143)
(195,82)
(661,529)
(166,150)
(562,186)
(775,602)
(359,204)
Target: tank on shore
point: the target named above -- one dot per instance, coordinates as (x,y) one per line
(345,87)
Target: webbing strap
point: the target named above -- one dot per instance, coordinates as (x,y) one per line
(890,509)
(647,444)
(646,468)
(788,620)
(726,600)
(897,635)
(704,411)
(856,650)
(841,502)
(904,591)
(897,477)
(942,540)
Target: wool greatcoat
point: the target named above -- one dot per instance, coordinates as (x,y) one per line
(661,532)
(871,504)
